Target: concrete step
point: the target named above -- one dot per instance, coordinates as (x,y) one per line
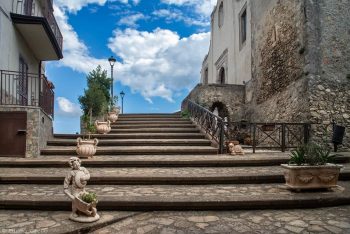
(134,150)
(154,176)
(137,126)
(136,142)
(171,197)
(135,136)
(156,130)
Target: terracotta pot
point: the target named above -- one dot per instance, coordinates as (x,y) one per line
(86,148)
(112,116)
(103,127)
(311,177)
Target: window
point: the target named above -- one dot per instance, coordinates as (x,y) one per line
(243,22)
(222,76)
(205,81)
(221,15)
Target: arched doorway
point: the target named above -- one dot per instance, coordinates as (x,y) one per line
(222,76)
(221,109)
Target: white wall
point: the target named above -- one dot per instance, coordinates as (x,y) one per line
(237,61)
(12,44)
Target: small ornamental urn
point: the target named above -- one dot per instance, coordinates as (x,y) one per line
(86,148)
(113,116)
(103,127)
(116,109)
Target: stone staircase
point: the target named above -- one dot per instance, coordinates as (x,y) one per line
(159,162)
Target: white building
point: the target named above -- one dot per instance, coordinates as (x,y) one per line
(29,36)
(229,57)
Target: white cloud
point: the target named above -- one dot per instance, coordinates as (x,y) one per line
(158,63)
(131,20)
(76,53)
(135,2)
(68,108)
(154,64)
(177,15)
(203,7)
(77,5)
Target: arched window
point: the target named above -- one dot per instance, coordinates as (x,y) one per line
(205,81)
(222,76)
(221,15)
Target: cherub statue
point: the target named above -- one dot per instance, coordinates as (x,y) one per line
(235,148)
(77,178)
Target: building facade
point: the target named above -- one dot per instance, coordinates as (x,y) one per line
(279,61)
(29,36)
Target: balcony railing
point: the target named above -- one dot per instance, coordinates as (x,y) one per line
(26,89)
(23,8)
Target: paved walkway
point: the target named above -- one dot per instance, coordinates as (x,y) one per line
(324,220)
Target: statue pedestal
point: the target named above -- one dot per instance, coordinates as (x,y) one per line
(83,218)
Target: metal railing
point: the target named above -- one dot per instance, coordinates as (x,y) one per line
(20,7)
(26,89)
(280,136)
(210,123)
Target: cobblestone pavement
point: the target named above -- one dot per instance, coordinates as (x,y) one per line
(51,222)
(323,220)
(166,193)
(326,220)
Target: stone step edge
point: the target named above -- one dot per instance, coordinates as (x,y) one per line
(285,202)
(158,180)
(129,162)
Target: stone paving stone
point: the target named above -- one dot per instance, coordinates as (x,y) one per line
(51,222)
(322,220)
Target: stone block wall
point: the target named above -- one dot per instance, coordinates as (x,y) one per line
(328,66)
(39,128)
(278,89)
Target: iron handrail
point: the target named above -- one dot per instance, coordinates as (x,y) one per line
(210,123)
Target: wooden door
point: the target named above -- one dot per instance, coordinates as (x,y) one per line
(13,128)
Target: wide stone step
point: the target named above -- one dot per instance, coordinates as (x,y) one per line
(135,136)
(136,142)
(138,126)
(156,130)
(149,116)
(155,176)
(165,119)
(258,159)
(153,121)
(134,150)
(170,197)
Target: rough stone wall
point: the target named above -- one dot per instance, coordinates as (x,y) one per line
(38,132)
(328,66)
(277,91)
(231,96)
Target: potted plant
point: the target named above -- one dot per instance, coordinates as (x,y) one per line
(114,110)
(103,127)
(311,167)
(86,204)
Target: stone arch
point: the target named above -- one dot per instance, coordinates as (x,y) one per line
(222,74)
(222,109)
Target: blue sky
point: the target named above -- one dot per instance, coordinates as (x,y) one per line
(159,46)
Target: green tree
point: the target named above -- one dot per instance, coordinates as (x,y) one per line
(96,97)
